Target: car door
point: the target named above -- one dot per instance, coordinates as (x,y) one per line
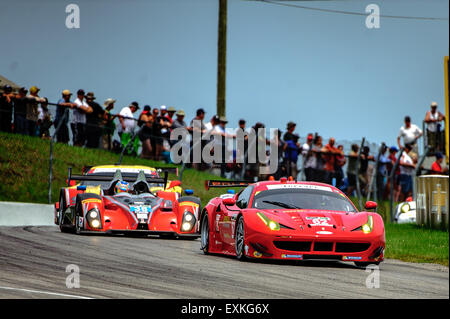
(230,213)
(223,218)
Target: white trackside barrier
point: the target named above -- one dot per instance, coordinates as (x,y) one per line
(25,214)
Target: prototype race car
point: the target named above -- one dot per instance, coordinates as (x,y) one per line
(127,200)
(291,220)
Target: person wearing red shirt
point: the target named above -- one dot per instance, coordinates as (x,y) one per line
(436,167)
(329,155)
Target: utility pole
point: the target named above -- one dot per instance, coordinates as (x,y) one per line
(221,57)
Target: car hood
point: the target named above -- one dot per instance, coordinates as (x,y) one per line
(316,218)
(141,208)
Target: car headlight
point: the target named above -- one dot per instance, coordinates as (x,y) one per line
(188,221)
(186,227)
(93,218)
(273,225)
(405,208)
(95,223)
(93,214)
(367,227)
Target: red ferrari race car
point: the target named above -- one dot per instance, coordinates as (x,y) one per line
(127,200)
(291,220)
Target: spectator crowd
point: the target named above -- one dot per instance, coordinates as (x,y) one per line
(149,135)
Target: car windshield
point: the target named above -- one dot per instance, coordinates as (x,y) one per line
(302,199)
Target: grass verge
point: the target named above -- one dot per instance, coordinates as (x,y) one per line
(24,168)
(410,242)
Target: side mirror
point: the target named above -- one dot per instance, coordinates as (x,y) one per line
(174,184)
(189,191)
(229,201)
(167,205)
(371,205)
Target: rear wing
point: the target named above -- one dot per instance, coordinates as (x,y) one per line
(131,178)
(223,184)
(170,170)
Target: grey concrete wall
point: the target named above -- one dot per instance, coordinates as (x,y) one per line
(25,214)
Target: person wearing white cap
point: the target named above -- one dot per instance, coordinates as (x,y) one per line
(433,118)
(220,141)
(163,110)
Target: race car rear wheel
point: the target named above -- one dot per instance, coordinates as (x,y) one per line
(204,232)
(62,207)
(240,239)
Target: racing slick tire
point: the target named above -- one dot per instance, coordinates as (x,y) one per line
(204,232)
(240,239)
(62,207)
(362,264)
(78,212)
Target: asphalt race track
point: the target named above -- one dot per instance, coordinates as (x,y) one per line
(33,263)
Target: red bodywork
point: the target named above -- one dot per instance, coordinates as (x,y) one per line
(311,234)
(125,213)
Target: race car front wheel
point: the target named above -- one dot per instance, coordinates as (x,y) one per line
(78,215)
(240,239)
(204,231)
